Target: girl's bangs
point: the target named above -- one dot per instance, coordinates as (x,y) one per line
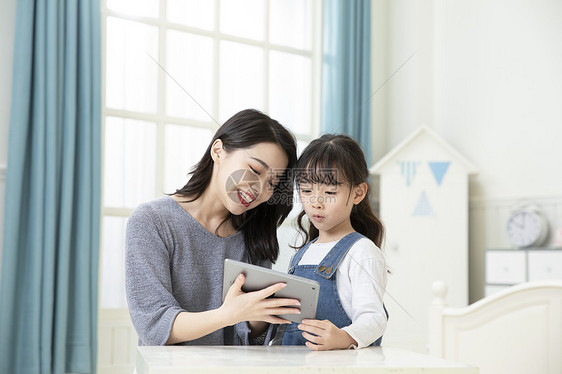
(322,171)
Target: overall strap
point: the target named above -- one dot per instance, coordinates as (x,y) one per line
(298,255)
(330,263)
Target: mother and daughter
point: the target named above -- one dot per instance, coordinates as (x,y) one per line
(239,193)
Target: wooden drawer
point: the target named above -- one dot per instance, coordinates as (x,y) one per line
(545,265)
(505,267)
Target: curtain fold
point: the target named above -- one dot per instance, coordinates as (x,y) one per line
(346,74)
(48,289)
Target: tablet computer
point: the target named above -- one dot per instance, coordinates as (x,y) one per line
(257,278)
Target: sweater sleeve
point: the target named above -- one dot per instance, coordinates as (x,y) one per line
(242,333)
(368,282)
(148,282)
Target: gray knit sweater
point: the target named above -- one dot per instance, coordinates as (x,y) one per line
(174,264)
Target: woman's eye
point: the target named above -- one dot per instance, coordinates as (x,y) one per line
(305,191)
(255,171)
(330,192)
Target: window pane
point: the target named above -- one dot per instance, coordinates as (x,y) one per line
(290,95)
(130,162)
(131,75)
(193,13)
(241,79)
(244,18)
(301,145)
(287,236)
(184,147)
(142,8)
(189,60)
(297,206)
(113,263)
(296,33)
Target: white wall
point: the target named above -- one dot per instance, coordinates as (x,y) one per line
(499,80)
(379,72)
(7,22)
(486,77)
(499,92)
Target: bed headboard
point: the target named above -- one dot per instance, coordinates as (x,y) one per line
(517,330)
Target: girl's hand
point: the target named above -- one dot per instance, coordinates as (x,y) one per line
(255,306)
(328,336)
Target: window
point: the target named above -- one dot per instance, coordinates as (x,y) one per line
(173,70)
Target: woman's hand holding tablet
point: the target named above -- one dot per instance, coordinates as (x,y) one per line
(276,292)
(258,305)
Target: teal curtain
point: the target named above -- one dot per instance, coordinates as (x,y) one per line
(48,289)
(346,74)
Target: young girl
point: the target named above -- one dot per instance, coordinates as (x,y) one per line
(230,208)
(344,255)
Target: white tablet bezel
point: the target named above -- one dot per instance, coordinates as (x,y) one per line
(257,278)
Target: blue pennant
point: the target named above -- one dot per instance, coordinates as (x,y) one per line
(439,169)
(408,170)
(423,207)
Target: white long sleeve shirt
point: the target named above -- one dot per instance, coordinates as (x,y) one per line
(361,282)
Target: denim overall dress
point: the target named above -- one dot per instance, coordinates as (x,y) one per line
(329,303)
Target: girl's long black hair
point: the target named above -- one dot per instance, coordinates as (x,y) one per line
(336,159)
(244,130)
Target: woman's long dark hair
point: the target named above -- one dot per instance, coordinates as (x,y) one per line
(336,159)
(244,130)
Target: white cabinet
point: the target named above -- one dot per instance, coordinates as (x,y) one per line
(506,267)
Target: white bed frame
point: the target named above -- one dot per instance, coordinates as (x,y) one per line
(516,330)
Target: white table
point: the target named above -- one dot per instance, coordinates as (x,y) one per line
(283,360)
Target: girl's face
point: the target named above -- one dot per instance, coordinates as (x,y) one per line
(328,207)
(247,177)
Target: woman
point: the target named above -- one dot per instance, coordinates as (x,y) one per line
(238,194)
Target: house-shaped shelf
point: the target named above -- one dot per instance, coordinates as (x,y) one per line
(424,206)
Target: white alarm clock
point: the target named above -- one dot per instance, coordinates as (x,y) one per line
(527,227)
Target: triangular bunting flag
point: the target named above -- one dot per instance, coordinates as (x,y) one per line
(408,170)
(423,207)
(439,169)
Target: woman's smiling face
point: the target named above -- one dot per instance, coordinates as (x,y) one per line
(247,176)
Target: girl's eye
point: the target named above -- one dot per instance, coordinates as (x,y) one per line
(305,190)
